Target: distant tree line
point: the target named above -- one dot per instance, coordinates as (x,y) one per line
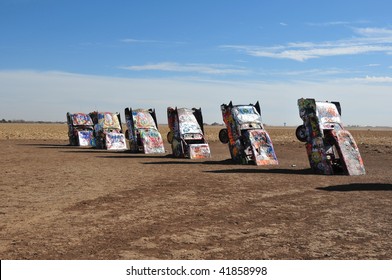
(24,121)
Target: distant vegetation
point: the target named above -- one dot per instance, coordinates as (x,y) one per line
(23,121)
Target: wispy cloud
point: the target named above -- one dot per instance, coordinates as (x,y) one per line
(216,69)
(328,23)
(145,41)
(305,53)
(374,79)
(336,23)
(374,32)
(315,72)
(371,40)
(129,40)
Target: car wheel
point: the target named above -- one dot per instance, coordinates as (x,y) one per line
(300,133)
(170,137)
(73,141)
(224,136)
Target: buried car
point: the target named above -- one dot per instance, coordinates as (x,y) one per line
(80,129)
(331,149)
(107,131)
(248,141)
(186,134)
(142,132)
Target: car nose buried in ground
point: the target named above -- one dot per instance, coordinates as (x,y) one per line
(142,132)
(186,134)
(107,131)
(331,149)
(80,129)
(248,141)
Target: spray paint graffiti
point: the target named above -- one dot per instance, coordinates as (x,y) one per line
(80,129)
(248,141)
(186,134)
(107,131)
(142,133)
(330,148)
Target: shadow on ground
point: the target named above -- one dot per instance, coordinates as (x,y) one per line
(358,187)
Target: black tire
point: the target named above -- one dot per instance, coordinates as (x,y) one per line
(102,143)
(73,141)
(300,133)
(170,136)
(224,136)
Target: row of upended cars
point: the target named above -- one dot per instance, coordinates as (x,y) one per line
(330,148)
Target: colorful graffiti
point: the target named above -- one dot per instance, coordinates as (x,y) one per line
(152,141)
(108,121)
(142,133)
(143,119)
(247,139)
(199,151)
(80,129)
(81,119)
(85,138)
(262,147)
(115,141)
(186,133)
(330,148)
(107,131)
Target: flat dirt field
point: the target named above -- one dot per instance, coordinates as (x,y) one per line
(63,202)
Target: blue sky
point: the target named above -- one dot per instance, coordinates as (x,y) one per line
(72,55)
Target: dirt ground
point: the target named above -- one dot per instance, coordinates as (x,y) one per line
(63,202)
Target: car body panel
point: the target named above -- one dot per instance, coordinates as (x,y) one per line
(81,119)
(186,129)
(143,134)
(330,148)
(80,129)
(108,121)
(248,141)
(262,147)
(115,141)
(85,138)
(199,151)
(107,131)
(350,153)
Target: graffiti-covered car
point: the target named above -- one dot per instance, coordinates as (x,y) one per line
(107,131)
(248,141)
(80,129)
(142,131)
(331,149)
(186,134)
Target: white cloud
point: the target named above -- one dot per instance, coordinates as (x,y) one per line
(337,23)
(312,72)
(144,41)
(374,32)
(374,79)
(129,40)
(33,95)
(328,23)
(303,53)
(372,40)
(216,69)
